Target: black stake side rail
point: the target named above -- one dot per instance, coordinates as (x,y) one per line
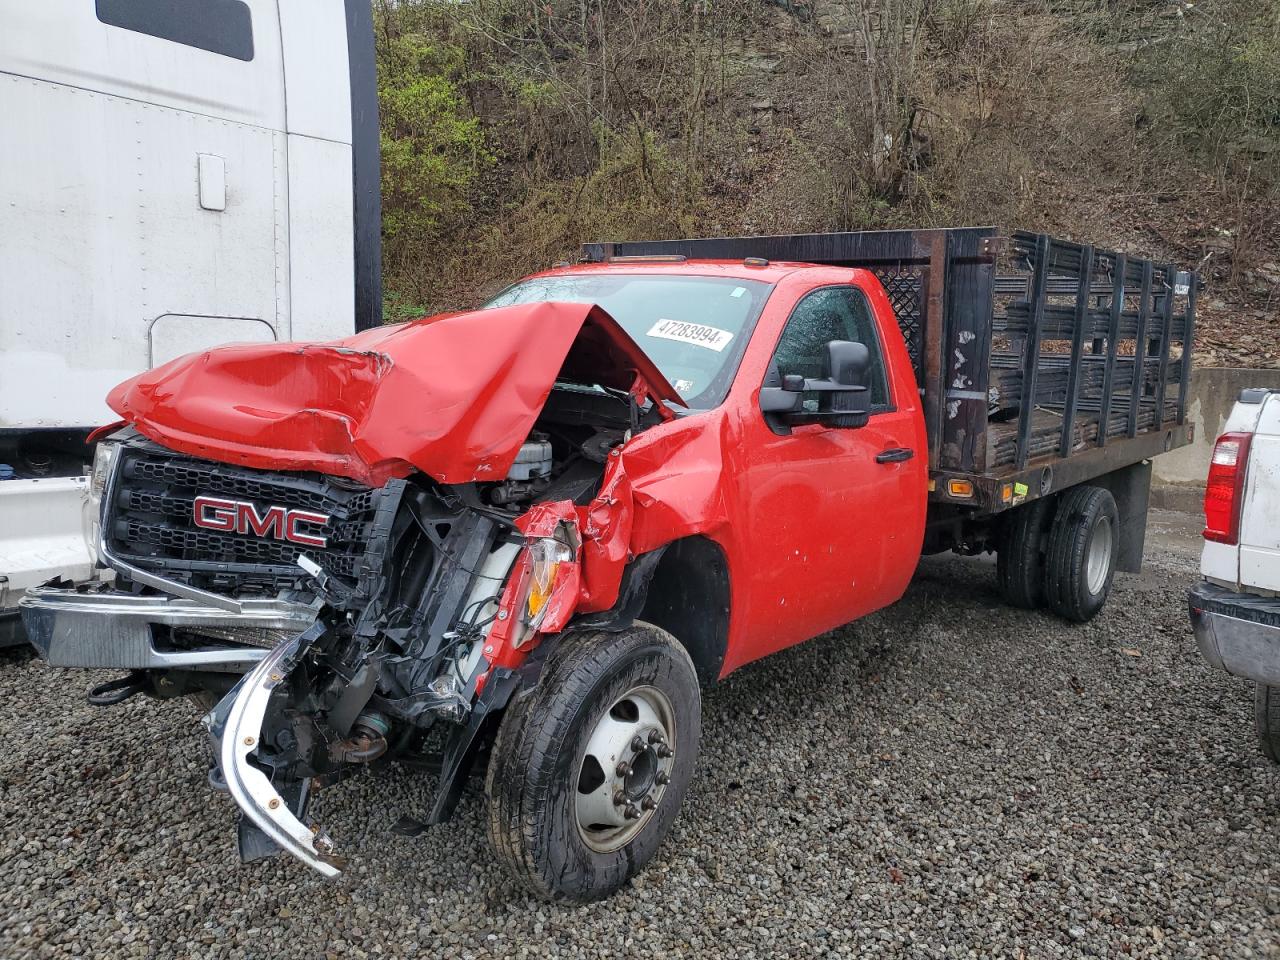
(1124,312)
(969,300)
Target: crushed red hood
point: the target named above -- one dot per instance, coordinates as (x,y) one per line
(453,396)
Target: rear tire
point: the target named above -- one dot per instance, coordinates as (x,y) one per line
(1266,719)
(563,816)
(1080,560)
(1020,554)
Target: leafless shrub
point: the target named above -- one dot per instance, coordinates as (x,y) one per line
(606,116)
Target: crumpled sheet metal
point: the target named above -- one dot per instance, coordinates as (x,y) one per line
(664,484)
(453,396)
(661,485)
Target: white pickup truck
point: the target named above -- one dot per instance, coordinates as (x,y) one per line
(1235,609)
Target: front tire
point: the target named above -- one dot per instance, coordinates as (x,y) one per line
(589,767)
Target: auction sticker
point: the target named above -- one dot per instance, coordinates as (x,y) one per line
(698,334)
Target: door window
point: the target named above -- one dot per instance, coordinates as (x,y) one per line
(219,26)
(831,313)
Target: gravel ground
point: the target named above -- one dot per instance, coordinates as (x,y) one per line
(946,778)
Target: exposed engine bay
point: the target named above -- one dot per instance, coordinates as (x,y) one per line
(426,596)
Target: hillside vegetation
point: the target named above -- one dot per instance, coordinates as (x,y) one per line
(515,130)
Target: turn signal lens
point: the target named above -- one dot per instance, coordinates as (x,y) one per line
(546,555)
(1224,491)
(104,458)
(960,488)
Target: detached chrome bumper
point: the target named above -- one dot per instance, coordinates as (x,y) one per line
(114,630)
(235,726)
(1237,632)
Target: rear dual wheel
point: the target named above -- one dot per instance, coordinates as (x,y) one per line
(1020,555)
(1061,552)
(590,766)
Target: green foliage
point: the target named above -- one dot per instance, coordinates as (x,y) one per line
(397,308)
(1214,91)
(515,130)
(434,150)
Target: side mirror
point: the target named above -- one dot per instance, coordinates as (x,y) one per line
(783,399)
(844,399)
(847,363)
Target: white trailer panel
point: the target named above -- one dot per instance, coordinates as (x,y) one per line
(176,174)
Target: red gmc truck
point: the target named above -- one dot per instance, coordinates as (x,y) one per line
(516,540)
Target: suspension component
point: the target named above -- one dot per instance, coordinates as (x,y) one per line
(368,740)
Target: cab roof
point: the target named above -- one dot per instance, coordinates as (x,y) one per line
(769,272)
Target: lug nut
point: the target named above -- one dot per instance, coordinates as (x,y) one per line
(618,798)
(664,751)
(663,778)
(655,736)
(623,769)
(648,803)
(631,813)
(637,743)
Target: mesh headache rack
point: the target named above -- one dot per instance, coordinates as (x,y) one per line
(1041,362)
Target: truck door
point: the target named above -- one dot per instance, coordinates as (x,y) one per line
(836,514)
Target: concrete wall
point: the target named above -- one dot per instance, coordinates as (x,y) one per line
(1213,393)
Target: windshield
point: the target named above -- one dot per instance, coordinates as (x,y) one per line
(694,329)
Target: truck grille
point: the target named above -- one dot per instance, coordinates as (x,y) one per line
(150,520)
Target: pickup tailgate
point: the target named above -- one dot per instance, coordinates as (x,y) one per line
(1260,514)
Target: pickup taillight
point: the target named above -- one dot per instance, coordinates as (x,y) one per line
(1224,493)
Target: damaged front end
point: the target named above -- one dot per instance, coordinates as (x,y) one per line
(386,602)
(407,667)
(411,664)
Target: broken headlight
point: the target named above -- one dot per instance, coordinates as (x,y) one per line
(104,460)
(104,457)
(547,556)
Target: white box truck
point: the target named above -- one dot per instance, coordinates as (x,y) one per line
(175,174)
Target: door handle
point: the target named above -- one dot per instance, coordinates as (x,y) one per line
(895,455)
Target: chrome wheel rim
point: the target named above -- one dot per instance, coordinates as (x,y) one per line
(1098,564)
(625,768)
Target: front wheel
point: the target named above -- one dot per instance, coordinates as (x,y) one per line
(589,767)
